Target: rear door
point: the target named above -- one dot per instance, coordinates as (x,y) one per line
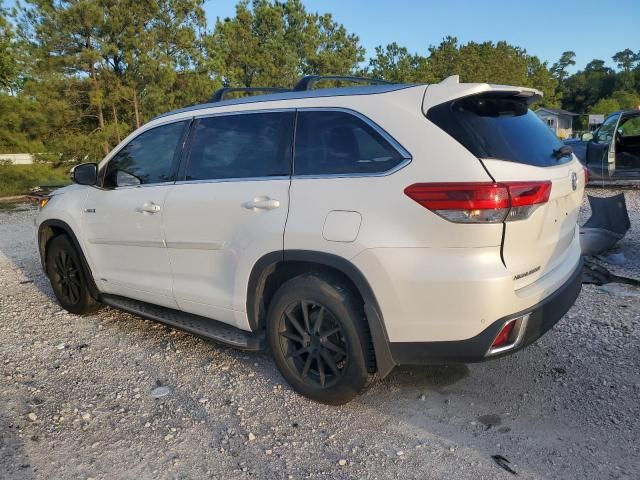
(628,147)
(516,146)
(228,210)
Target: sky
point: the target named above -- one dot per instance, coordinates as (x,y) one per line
(545,28)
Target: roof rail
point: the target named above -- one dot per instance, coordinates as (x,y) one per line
(219,94)
(306,83)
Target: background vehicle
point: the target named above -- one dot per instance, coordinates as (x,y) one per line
(350,229)
(613,152)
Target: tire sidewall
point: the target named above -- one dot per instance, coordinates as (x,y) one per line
(340,301)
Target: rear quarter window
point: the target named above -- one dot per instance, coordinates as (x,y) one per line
(338,143)
(499,127)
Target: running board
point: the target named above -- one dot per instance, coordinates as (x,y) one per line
(201,326)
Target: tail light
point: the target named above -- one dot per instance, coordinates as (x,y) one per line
(481,202)
(586,175)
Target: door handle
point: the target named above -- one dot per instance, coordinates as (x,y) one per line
(262,203)
(149,207)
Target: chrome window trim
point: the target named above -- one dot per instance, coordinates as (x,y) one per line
(397,146)
(244,112)
(404,153)
(236,179)
(143,185)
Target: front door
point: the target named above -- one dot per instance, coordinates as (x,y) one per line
(122,219)
(229,209)
(601,151)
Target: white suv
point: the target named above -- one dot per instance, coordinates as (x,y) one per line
(349,229)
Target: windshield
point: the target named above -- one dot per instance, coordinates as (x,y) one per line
(500,127)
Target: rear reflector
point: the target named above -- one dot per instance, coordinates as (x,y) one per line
(510,336)
(481,202)
(504,336)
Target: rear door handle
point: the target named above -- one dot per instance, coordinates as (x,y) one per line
(149,207)
(262,203)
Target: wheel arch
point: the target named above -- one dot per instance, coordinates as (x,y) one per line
(275,268)
(51,228)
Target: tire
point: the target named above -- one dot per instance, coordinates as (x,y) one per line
(67,277)
(317,334)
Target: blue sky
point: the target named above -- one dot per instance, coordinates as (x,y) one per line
(545,28)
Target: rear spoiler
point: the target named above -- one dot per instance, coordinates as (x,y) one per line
(451,89)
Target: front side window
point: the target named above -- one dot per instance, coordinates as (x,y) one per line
(605,132)
(335,142)
(250,145)
(148,158)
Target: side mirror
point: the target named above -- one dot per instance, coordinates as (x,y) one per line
(85,174)
(587,137)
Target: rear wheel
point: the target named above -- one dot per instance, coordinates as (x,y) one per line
(68,281)
(316,332)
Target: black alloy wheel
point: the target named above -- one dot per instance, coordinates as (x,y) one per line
(315,343)
(67,277)
(319,339)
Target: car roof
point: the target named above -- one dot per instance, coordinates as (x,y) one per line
(293,95)
(631,113)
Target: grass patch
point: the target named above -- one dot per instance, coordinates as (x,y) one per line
(7,207)
(19,179)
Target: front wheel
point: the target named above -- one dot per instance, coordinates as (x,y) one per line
(67,278)
(317,333)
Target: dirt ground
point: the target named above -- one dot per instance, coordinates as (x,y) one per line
(77,397)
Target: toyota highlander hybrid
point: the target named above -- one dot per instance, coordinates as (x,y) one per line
(347,230)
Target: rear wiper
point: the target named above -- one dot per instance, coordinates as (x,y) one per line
(564,151)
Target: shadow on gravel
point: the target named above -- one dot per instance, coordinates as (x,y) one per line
(428,376)
(12,455)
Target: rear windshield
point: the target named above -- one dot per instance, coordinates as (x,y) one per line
(493,126)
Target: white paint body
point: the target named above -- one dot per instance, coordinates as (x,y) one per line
(434,280)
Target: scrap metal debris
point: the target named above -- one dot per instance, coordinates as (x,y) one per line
(598,275)
(609,222)
(504,464)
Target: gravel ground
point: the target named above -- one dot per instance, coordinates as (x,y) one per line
(76,397)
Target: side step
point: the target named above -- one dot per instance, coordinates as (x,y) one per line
(201,326)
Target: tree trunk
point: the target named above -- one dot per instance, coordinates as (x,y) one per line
(94,81)
(115,120)
(136,107)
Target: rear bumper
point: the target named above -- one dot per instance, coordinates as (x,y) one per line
(542,317)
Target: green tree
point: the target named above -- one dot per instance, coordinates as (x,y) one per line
(626,59)
(127,61)
(8,64)
(274,43)
(559,69)
(394,63)
(584,88)
(605,106)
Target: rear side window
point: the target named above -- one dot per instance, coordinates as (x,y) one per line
(499,127)
(148,158)
(335,142)
(241,146)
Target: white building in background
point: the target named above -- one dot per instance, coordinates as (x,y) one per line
(559,121)
(16,158)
